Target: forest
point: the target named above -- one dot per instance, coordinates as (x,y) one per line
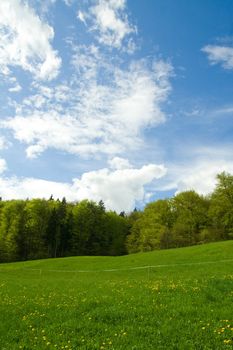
(40,228)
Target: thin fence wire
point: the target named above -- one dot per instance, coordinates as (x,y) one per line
(148,267)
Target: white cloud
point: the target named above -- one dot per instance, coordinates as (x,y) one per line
(202,176)
(25,41)
(109,20)
(15,88)
(220,54)
(3,143)
(89,116)
(22,188)
(224,110)
(119,163)
(81,17)
(119,189)
(3,165)
(68,2)
(200,172)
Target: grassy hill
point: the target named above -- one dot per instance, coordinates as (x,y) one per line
(170,299)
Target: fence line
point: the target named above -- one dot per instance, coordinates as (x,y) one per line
(122,269)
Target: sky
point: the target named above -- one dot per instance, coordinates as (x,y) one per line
(125,101)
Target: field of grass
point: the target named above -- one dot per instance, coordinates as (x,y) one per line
(183,301)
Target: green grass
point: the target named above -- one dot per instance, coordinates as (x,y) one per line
(185,304)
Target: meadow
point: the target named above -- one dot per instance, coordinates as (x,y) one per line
(170,299)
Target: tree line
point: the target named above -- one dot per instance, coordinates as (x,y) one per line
(39,228)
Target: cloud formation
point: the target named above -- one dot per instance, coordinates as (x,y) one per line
(3,143)
(200,171)
(220,54)
(89,116)
(119,189)
(108,19)
(100,106)
(202,176)
(3,165)
(25,41)
(118,163)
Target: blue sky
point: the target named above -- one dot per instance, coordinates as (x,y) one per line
(124,101)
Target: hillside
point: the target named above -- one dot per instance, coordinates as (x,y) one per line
(170,299)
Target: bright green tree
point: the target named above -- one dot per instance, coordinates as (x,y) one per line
(152,230)
(190,212)
(12,230)
(221,207)
(36,228)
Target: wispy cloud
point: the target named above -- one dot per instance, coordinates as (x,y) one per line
(3,165)
(3,143)
(81,17)
(224,110)
(89,116)
(109,20)
(103,106)
(15,88)
(25,41)
(198,169)
(101,109)
(220,55)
